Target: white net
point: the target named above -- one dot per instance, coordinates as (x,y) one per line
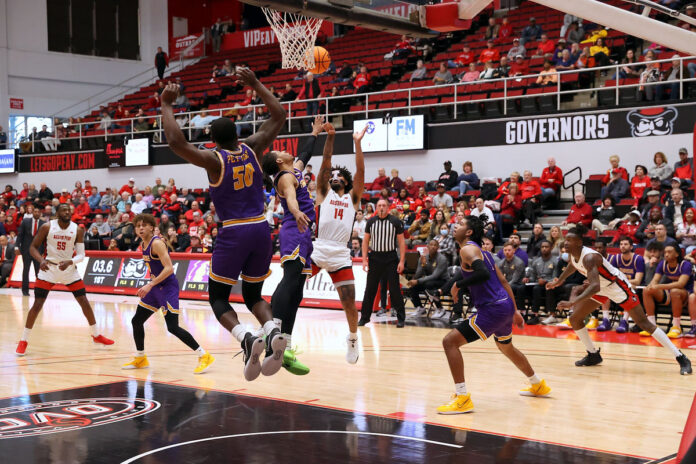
(296,35)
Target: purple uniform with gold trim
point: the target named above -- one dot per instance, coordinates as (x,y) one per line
(495,309)
(165,294)
(243,246)
(293,243)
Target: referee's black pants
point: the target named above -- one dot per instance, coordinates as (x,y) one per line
(382,264)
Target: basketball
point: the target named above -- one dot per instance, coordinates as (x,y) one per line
(322,60)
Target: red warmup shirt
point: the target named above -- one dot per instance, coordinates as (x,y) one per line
(379,183)
(530,189)
(580,214)
(505,31)
(546,47)
(607,176)
(629,230)
(551,179)
(465,58)
(81,211)
(126,188)
(189,214)
(489,54)
(684,171)
(361,79)
(638,186)
(412,191)
(519,69)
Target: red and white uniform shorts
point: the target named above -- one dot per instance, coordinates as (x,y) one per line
(620,293)
(334,258)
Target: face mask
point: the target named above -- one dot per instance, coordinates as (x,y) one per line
(565,257)
(443,232)
(407,207)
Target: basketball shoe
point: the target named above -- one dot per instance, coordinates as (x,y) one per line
(204,363)
(537,389)
(292,365)
(252,347)
(353,352)
(623,327)
(592,323)
(592,359)
(604,326)
(21,348)
(565,325)
(675,332)
(100,339)
(138,362)
(276,343)
(460,404)
(684,364)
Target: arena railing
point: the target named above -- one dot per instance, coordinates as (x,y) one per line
(457,91)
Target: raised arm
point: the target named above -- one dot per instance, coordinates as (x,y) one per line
(270,129)
(286,188)
(359,178)
(324,175)
(205,159)
(308,148)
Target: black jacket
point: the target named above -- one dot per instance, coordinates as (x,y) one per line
(25,235)
(9,255)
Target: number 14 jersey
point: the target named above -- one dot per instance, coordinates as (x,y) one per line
(336,216)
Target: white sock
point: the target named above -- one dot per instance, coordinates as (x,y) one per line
(93,330)
(652,319)
(268,327)
(664,340)
(25,334)
(534,379)
(626,316)
(676,322)
(586,340)
(605,314)
(353,336)
(140,354)
(460,388)
(278,323)
(200,351)
(239,332)
(288,337)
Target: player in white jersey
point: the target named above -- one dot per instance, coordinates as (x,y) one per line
(604,282)
(65,248)
(338,198)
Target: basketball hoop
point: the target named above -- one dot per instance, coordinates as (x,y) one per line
(296,34)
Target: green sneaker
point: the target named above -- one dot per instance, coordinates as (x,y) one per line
(292,365)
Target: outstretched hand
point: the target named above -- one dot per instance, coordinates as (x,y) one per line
(169,94)
(329,128)
(246,76)
(358,136)
(317,125)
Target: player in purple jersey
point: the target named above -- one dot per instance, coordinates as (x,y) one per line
(633,266)
(162,292)
(295,237)
(243,247)
(496,312)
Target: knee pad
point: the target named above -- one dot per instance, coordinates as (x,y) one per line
(251,293)
(219,298)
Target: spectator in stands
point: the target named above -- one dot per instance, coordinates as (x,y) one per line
(531,33)
(661,169)
(686,231)
(684,168)
(311,90)
(420,73)
(489,71)
(439,220)
(362,81)
(443,76)
(3,139)
(512,268)
(614,160)
(356,248)
(125,236)
(648,228)
(448,177)
(114,217)
(503,69)
(650,74)
(199,122)
(626,70)
(109,198)
(534,242)
(676,207)
(639,183)
(490,53)
(360,223)
(420,229)
(519,67)
(196,245)
(82,210)
(102,227)
(555,237)
(679,283)
(161,62)
(141,124)
(7,258)
(92,239)
(565,62)
(182,240)
(575,33)
(395,184)
(471,75)
(379,183)
(105,122)
(580,213)
(406,214)
(344,74)
(172,208)
(604,214)
(492,29)
(531,198)
(585,79)
(510,210)
(600,53)
(446,242)
(541,271)
(617,187)
(139,205)
(402,49)
(551,179)
(289,94)
(568,21)
(216,33)
(64,196)
(410,187)
(505,30)
(128,188)
(516,50)
(547,76)
(465,58)
(558,51)
(468,180)
(545,48)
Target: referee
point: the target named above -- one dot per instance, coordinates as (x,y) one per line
(382,233)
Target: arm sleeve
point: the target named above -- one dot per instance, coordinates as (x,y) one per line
(479,275)
(79,253)
(307,150)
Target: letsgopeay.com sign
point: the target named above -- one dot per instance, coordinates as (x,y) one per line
(558,129)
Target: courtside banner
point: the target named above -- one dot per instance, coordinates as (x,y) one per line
(123,273)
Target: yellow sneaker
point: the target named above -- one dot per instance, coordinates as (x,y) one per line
(460,404)
(538,389)
(675,332)
(138,362)
(644,333)
(565,325)
(592,324)
(204,363)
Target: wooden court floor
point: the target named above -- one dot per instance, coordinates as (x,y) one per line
(635,403)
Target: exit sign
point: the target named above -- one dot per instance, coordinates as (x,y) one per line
(16,103)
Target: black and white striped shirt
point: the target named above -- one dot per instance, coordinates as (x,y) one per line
(383,233)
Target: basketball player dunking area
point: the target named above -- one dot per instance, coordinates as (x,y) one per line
(243,248)
(604,283)
(162,292)
(496,312)
(65,247)
(295,237)
(338,198)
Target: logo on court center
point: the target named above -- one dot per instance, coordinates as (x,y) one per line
(652,121)
(26,420)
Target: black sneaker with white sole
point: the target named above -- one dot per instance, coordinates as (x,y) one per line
(252,347)
(275,346)
(684,364)
(592,359)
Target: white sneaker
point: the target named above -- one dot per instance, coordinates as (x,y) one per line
(550,320)
(353,352)
(439,313)
(419,312)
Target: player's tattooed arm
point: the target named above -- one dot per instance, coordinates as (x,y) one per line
(38,241)
(359,178)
